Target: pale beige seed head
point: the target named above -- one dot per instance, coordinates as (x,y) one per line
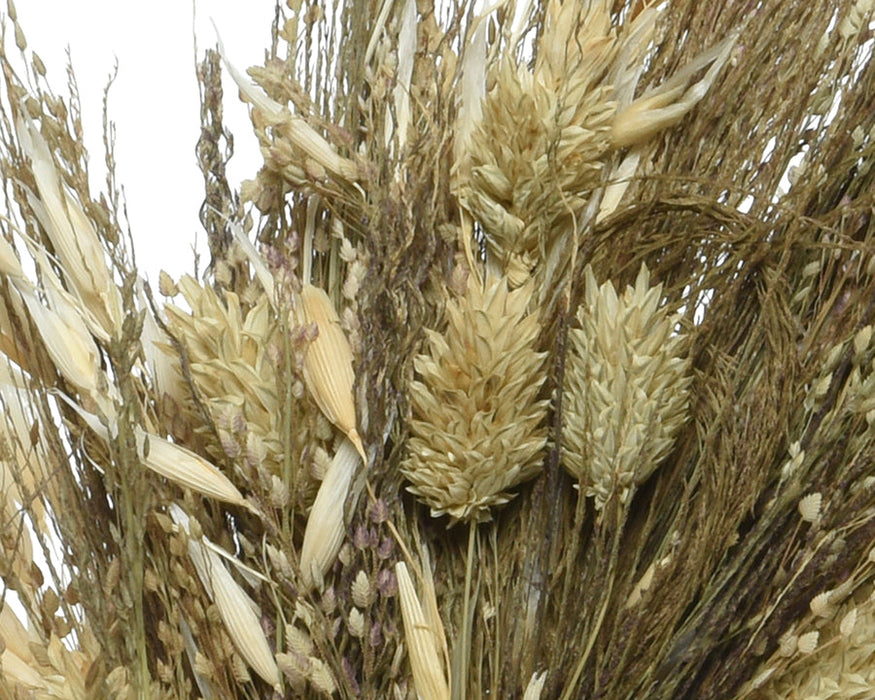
(328,371)
(356,623)
(820,604)
(298,640)
(626,387)
(478,428)
(809,507)
(808,642)
(321,677)
(537,150)
(787,644)
(360,589)
(537,142)
(848,623)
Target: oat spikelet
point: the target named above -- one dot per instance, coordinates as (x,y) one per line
(294,148)
(73,236)
(241,617)
(187,469)
(175,463)
(239,612)
(67,341)
(328,370)
(477,428)
(626,388)
(428,670)
(324,533)
(665,105)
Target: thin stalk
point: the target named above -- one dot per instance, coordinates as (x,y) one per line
(463,652)
(606,599)
(289,473)
(496,647)
(131,480)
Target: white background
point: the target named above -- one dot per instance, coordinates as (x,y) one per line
(153,102)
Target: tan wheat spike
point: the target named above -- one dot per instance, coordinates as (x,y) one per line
(425,662)
(477,428)
(323,535)
(328,371)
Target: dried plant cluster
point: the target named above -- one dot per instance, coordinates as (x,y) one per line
(478,428)
(626,388)
(536,361)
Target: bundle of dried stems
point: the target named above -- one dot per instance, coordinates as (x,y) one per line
(593,279)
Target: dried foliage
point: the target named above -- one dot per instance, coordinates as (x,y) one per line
(594,278)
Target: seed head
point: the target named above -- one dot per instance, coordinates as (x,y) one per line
(626,387)
(478,427)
